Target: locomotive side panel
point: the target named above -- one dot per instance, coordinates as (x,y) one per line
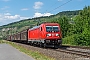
(42,32)
(34,34)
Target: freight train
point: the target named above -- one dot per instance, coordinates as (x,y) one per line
(46,34)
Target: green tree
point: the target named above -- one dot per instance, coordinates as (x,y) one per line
(64,23)
(83,27)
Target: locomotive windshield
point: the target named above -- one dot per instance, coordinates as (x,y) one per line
(52,28)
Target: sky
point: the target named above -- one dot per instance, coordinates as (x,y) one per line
(16,10)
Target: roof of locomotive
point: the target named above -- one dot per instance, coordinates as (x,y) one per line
(43,24)
(34,27)
(50,23)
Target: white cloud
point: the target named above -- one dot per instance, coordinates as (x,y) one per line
(7,18)
(12,17)
(40,14)
(24,9)
(37,5)
(21,18)
(47,14)
(7,14)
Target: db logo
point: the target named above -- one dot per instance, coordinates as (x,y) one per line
(52,34)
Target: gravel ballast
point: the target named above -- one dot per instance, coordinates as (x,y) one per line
(54,54)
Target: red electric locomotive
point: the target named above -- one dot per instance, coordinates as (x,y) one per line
(47,34)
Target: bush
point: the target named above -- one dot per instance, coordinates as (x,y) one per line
(69,40)
(82,39)
(78,39)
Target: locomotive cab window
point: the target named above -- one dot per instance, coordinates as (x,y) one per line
(52,28)
(41,29)
(55,28)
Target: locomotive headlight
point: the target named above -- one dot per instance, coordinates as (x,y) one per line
(48,34)
(57,34)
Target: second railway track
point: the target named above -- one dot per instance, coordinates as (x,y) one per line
(74,52)
(68,50)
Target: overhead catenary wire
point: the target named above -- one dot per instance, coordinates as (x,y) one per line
(52,6)
(57,7)
(60,6)
(47,11)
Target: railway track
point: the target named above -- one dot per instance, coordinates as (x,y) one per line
(75,50)
(79,51)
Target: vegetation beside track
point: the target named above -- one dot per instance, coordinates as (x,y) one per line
(34,54)
(76,32)
(2,41)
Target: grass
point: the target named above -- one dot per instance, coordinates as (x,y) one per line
(36,55)
(2,41)
(69,40)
